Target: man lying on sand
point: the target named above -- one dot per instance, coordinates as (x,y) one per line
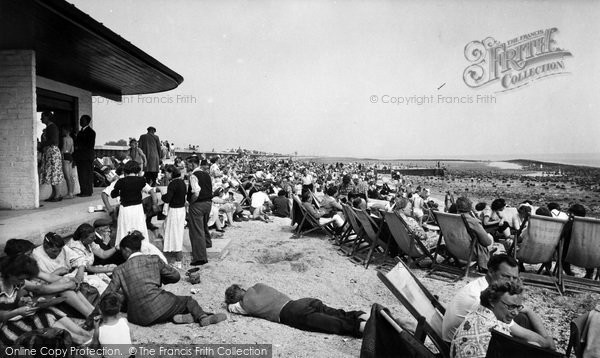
(308,314)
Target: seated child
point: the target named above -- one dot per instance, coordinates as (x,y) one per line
(114,329)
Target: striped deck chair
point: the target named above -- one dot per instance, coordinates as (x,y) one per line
(459,244)
(583,251)
(540,243)
(421,304)
(409,245)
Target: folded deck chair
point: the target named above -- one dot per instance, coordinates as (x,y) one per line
(459,245)
(421,304)
(577,338)
(583,251)
(308,223)
(372,236)
(384,337)
(540,243)
(409,245)
(503,346)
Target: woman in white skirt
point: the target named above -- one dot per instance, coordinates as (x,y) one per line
(131,212)
(174,225)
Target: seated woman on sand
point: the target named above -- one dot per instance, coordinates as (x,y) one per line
(83,244)
(500,303)
(49,284)
(18,314)
(400,208)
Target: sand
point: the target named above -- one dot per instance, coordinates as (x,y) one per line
(312,267)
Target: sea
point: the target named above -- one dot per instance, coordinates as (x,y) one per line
(495,160)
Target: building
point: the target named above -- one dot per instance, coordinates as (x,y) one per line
(55,57)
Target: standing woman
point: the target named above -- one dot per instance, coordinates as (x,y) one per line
(135,153)
(175,222)
(67,161)
(131,212)
(52,171)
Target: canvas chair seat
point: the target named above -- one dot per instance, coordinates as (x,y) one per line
(372,232)
(407,243)
(583,251)
(421,304)
(458,247)
(540,243)
(503,345)
(307,223)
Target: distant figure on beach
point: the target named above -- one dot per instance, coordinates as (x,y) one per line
(199,197)
(150,145)
(135,153)
(448,200)
(308,314)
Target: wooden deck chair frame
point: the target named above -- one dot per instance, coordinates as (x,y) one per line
(313,222)
(246,201)
(452,240)
(503,345)
(583,251)
(372,235)
(542,243)
(410,246)
(423,350)
(421,304)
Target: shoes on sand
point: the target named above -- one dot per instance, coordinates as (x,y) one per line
(213,319)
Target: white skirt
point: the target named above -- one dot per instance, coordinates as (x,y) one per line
(131,218)
(174,228)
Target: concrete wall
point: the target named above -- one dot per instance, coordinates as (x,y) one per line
(18,146)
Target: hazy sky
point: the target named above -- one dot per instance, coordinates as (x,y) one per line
(289,76)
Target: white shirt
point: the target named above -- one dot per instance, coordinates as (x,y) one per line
(194,182)
(465,301)
(559,214)
(259,198)
(67,258)
(236,308)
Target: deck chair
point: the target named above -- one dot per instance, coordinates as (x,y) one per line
(583,251)
(246,201)
(503,345)
(460,245)
(421,304)
(308,224)
(396,341)
(315,200)
(576,340)
(372,236)
(409,245)
(354,235)
(540,242)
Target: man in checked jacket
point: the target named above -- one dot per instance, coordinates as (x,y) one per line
(140,278)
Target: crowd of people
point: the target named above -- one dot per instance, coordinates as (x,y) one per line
(112,265)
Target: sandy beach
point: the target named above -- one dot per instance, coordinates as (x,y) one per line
(313,267)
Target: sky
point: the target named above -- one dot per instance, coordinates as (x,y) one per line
(319,77)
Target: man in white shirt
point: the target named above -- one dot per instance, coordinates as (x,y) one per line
(500,267)
(258,201)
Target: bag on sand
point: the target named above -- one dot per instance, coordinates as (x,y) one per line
(193,275)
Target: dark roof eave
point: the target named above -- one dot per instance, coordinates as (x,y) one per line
(89,24)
